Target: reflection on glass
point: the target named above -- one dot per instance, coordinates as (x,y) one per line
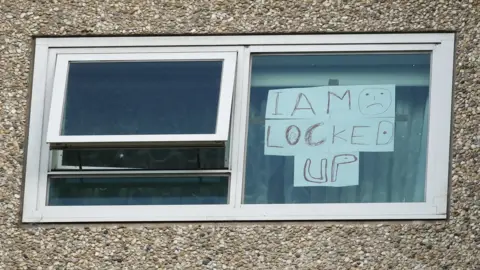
(396,175)
(126,98)
(145,158)
(138,191)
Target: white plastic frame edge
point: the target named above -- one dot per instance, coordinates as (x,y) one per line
(248,40)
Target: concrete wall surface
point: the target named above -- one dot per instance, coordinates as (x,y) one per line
(452,244)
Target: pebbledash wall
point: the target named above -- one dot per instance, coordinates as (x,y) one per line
(452,244)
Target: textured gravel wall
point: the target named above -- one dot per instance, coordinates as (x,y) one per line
(444,245)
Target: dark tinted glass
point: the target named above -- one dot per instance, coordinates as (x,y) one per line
(127,98)
(138,191)
(153,159)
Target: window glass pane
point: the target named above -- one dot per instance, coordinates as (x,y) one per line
(138,191)
(128,98)
(337,128)
(145,158)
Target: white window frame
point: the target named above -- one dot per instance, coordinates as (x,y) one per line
(47,50)
(63,61)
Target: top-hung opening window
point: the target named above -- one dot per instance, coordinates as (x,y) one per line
(162,97)
(274,127)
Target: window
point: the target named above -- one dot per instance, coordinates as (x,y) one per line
(150,97)
(304,127)
(369,137)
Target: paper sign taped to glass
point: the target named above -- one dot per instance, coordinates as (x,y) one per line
(325,128)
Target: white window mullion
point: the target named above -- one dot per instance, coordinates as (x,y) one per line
(239,125)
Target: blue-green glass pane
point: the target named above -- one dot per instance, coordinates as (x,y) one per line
(138,191)
(397,175)
(128,98)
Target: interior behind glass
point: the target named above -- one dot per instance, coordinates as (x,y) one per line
(180,158)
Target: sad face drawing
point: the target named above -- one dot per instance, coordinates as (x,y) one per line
(374,101)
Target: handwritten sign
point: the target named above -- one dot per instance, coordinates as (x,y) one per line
(334,170)
(331,101)
(325,128)
(290,137)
